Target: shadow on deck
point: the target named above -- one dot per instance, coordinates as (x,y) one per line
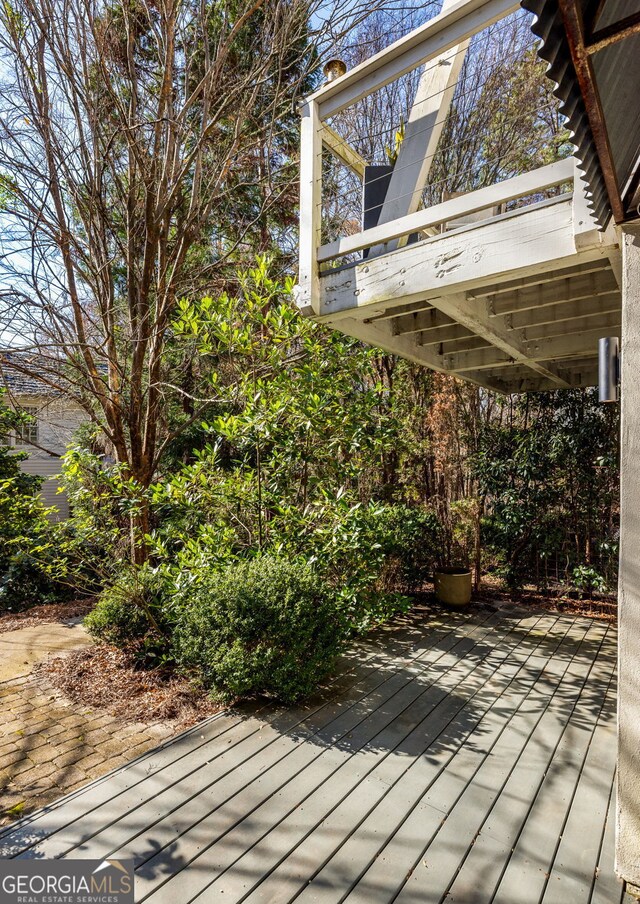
(455,757)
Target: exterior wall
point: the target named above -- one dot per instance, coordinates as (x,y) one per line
(57,421)
(628,816)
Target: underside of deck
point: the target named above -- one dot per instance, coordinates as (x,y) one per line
(509,304)
(467,757)
(506,280)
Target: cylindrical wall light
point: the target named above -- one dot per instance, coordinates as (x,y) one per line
(608,368)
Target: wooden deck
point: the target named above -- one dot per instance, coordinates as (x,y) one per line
(456,757)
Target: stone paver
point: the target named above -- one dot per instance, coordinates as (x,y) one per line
(48,746)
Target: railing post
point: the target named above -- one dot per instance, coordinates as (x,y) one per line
(310,209)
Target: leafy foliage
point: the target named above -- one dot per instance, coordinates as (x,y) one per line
(25,541)
(130,612)
(265,626)
(297,428)
(552,482)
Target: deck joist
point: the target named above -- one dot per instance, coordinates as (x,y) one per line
(513,304)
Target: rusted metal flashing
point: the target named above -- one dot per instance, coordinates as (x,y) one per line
(554,49)
(611,34)
(574,30)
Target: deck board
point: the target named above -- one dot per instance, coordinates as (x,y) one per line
(466,757)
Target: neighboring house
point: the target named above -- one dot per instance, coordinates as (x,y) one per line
(45,439)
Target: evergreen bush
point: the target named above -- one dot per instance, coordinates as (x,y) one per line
(264,626)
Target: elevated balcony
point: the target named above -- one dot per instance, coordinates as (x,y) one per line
(509,285)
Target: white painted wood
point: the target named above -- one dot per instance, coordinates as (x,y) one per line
(558,347)
(615,259)
(441,334)
(423,320)
(575,289)
(521,244)
(426,43)
(592,265)
(57,420)
(584,343)
(474,315)
(628,809)
(308,297)
(566,311)
(343,150)
(491,196)
(510,384)
(423,130)
(414,307)
(400,345)
(495,289)
(463,344)
(602,322)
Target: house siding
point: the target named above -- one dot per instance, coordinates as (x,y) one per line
(57,421)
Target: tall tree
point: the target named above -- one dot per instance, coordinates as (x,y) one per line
(143,145)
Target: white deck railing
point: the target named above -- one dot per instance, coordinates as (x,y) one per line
(448,33)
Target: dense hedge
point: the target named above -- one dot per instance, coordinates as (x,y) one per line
(265,626)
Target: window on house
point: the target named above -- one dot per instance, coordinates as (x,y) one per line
(28,433)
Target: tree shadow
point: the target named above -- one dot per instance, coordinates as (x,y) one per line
(432,691)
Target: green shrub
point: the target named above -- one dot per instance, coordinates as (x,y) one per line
(130,614)
(264,626)
(25,532)
(372,555)
(410,540)
(587,580)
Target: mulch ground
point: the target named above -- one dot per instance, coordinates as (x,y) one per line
(105,678)
(602,606)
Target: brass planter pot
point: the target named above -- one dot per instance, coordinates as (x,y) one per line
(453,586)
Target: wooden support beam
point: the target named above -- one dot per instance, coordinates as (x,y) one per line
(432,39)
(603,322)
(424,320)
(523,282)
(567,367)
(615,259)
(308,297)
(422,132)
(593,266)
(380,336)
(572,346)
(474,315)
(442,334)
(463,344)
(343,150)
(526,243)
(562,291)
(481,199)
(541,350)
(628,811)
(414,307)
(511,385)
(565,311)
